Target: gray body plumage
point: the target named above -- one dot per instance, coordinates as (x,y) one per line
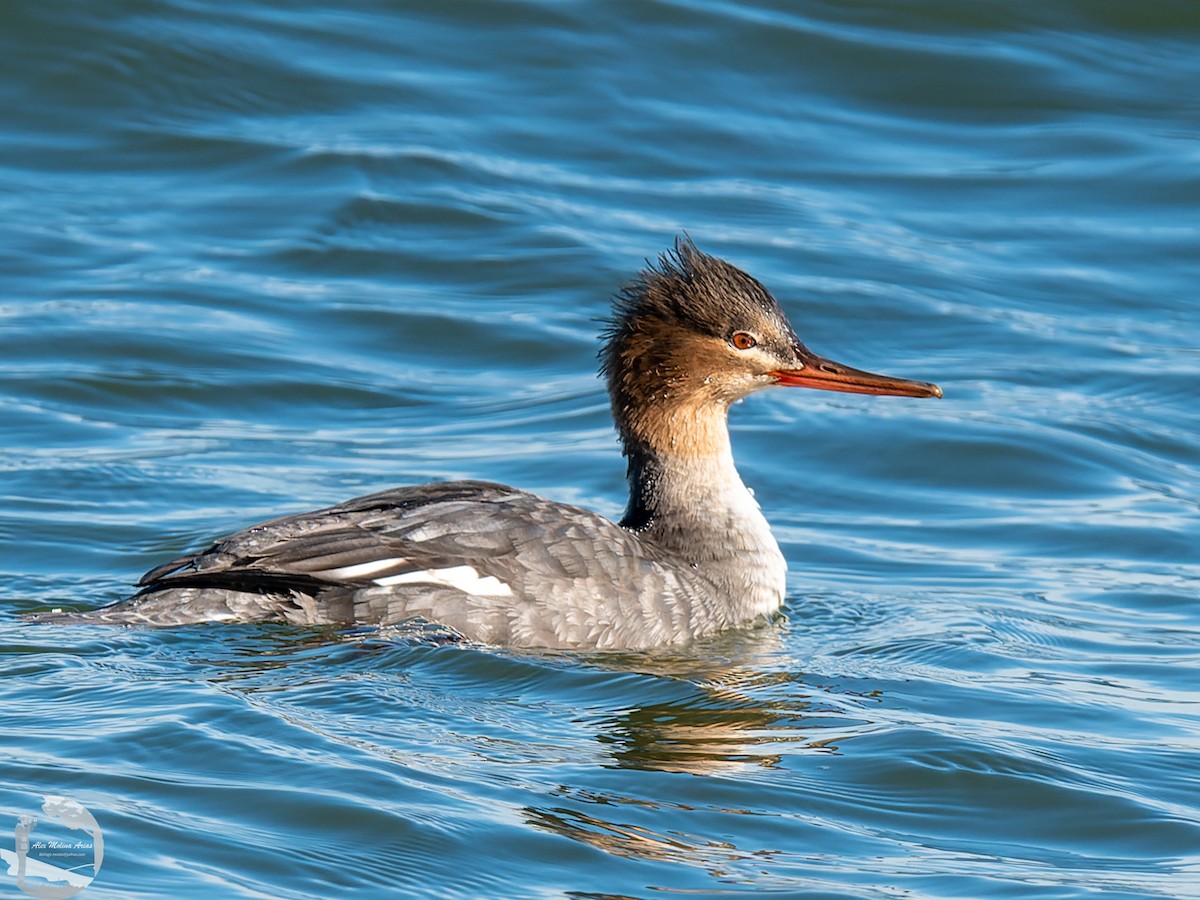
(497,565)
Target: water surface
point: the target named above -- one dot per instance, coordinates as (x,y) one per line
(257,259)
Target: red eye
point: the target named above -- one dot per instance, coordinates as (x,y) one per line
(743,340)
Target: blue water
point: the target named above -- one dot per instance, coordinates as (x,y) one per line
(256,258)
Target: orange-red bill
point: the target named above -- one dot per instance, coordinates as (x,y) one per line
(826,375)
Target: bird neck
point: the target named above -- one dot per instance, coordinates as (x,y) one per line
(685,495)
(686,483)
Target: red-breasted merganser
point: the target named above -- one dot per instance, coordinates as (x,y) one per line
(691,556)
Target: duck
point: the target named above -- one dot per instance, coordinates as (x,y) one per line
(691,556)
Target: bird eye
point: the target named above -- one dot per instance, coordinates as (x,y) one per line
(743,340)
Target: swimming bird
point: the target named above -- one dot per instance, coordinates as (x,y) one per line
(691,556)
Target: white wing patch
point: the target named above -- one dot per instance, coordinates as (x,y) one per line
(361,569)
(462,578)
